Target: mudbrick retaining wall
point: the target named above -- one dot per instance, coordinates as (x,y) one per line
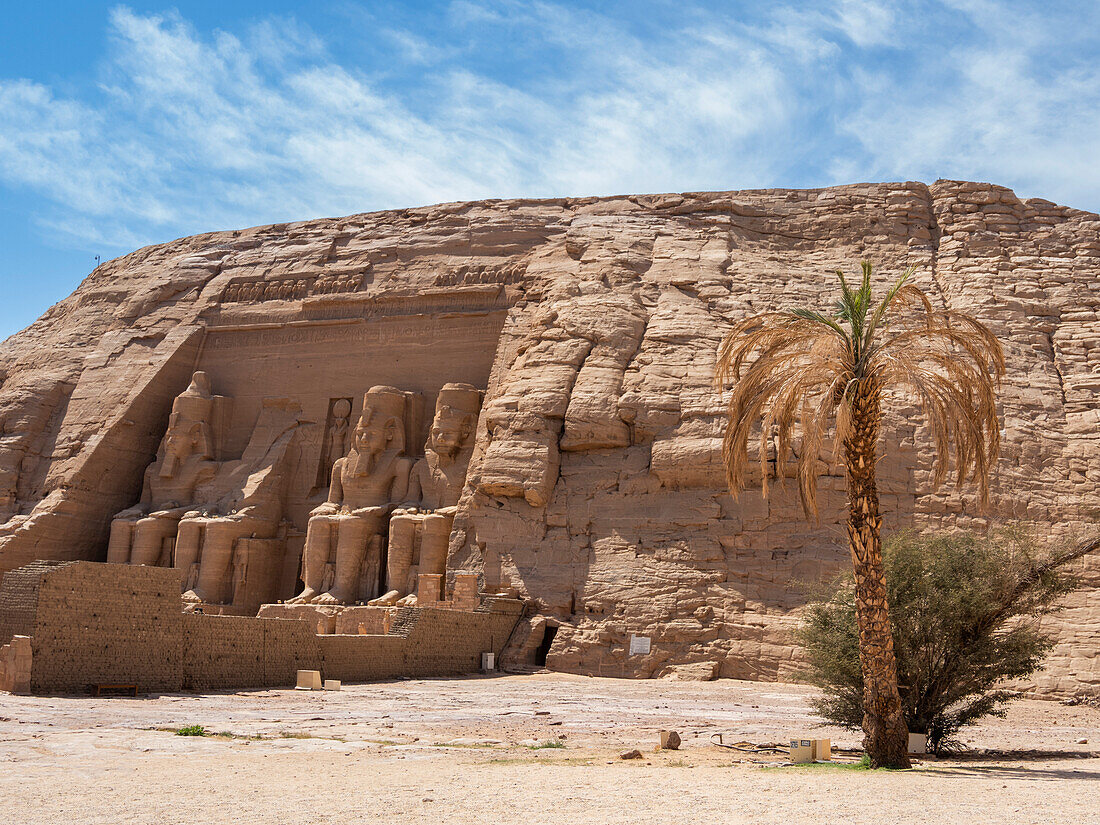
(93,624)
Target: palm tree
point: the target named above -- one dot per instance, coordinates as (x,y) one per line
(812,369)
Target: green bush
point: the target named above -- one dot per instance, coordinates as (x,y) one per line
(963,608)
(192,730)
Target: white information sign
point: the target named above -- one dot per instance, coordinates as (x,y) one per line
(639,645)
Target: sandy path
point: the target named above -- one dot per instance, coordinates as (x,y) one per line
(381,752)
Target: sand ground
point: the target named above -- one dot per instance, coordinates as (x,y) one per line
(460,751)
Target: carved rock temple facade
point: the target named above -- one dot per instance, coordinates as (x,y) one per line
(379,408)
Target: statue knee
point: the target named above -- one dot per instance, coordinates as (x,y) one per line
(435,525)
(403,528)
(118,546)
(354,533)
(222,533)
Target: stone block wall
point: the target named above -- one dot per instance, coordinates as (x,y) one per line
(228,652)
(288,648)
(19,598)
(106,624)
(452,641)
(91,623)
(355,658)
(15,665)
(424,642)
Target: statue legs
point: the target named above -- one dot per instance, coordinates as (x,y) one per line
(351,548)
(353,534)
(400,570)
(211,542)
(435,537)
(140,541)
(186,555)
(148,539)
(118,547)
(315,557)
(403,566)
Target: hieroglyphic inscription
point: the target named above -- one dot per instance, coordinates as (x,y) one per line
(251,290)
(439,303)
(385,331)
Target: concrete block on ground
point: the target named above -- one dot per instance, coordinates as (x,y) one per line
(308,680)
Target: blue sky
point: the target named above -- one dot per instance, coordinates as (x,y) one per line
(124,125)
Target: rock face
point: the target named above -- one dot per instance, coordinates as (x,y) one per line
(595,486)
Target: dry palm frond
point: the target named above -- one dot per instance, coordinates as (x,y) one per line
(796,372)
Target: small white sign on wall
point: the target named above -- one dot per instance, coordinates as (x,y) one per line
(639,645)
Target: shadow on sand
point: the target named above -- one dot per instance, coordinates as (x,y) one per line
(1014,764)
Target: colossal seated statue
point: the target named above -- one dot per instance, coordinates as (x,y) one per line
(142,534)
(250,495)
(434,489)
(364,487)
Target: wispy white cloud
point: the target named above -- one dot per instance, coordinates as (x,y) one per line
(867,22)
(1011,104)
(199,130)
(192,130)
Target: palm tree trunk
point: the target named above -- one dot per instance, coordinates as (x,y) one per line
(886,736)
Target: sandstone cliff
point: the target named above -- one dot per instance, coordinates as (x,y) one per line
(596,488)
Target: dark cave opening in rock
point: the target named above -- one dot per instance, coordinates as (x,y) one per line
(543,649)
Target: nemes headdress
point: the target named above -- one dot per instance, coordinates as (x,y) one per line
(383,403)
(194,404)
(459,398)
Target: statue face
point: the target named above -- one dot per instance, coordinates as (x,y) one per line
(372,434)
(449,431)
(179,443)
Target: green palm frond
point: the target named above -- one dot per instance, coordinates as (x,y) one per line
(845,304)
(821,318)
(884,305)
(854,304)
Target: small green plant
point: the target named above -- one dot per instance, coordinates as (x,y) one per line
(228,734)
(864,764)
(964,608)
(192,730)
(549,743)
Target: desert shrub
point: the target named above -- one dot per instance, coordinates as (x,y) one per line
(964,610)
(192,730)
(549,743)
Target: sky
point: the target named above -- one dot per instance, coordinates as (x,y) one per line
(126,125)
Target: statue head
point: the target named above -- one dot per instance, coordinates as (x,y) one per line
(381,427)
(188,427)
(456,410)
(196,402)
(183,440)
